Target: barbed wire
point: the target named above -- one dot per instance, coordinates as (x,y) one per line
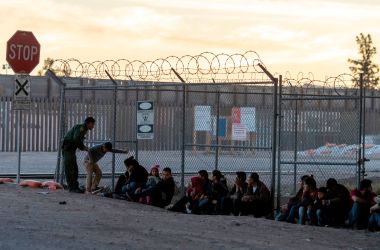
(202,68)
(205,67)
(343,84)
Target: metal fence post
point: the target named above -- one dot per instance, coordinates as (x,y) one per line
(18,141)
(183,129)
(361,146)
(274,141)
(114,127)
(217,129)
(279,145)
(59,171)
(295,149)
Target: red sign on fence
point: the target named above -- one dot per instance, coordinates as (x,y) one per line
(23,52)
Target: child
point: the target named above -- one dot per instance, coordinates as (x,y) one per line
(153,179)
(320,206)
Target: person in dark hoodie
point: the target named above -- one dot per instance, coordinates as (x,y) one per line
(336,206)
(138,177)
(256,200)
(162,193)
(231,203)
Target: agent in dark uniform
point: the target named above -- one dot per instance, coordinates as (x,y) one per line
(73,140)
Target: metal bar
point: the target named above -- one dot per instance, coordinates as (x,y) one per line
(316,98)
(114,128)
(61,128)
(18,141)
(279,146)
(274,140)
(227,146)
(183,130)
(295,148)
(363,131)
(359,163)
(319,163)
(217,129)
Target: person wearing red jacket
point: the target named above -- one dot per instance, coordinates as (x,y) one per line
(363,199)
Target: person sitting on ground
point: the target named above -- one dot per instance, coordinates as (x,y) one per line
(291,207)
(374,219)
(319,207)
(194,191)
(153,179)
(161,194)
(231,202)
(336,206)
(94,154)
(310,194)
(138,177)
(363,199)
(256,200)
(203,203)
(219,191)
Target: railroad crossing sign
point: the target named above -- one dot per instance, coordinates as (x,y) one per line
(21,95)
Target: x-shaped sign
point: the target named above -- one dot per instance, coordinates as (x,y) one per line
(21,87)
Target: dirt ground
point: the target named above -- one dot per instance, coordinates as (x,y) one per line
(33,220)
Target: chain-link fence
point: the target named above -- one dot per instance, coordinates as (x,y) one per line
(327,129)
(196,126)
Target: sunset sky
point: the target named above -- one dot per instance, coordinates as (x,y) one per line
(289,35)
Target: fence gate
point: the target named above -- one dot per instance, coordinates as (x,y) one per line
(321,134)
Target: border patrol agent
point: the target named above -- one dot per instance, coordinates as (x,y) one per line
(74,139)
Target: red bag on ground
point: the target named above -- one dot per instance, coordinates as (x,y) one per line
(31,183)
(6,180)
(52,185)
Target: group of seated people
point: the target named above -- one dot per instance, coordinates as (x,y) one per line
(205,196)
(136,184)
(333,205)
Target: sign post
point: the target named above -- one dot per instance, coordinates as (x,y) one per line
(23,55)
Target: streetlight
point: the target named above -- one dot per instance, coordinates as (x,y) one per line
(6,67)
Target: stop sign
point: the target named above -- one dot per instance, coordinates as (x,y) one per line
(23,52)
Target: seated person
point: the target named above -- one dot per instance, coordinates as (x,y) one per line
(336,205)
(256,200)
(193,193)
(162,193)
(363,199)
(138,177)
(203,204)
(232,201)
(302,210)
(219,191)
(292,202)
(374,219)
(320,207)
(153,179)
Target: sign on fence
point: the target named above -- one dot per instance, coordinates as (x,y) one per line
(145,120)
(21,95)
(202,118)
(246,116)
(239,132)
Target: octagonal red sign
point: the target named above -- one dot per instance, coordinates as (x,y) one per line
(23,52)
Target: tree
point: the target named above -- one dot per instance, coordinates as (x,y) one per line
(48,64)
(365,65)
